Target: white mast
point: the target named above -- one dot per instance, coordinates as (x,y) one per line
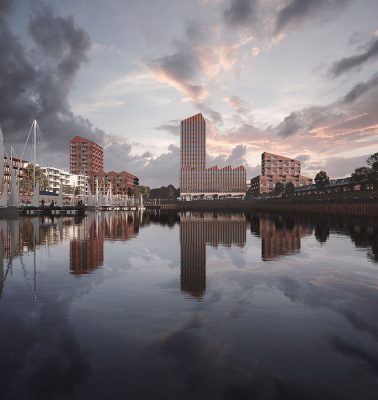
(34,150)
(3,184)
(1,158)
(15,193)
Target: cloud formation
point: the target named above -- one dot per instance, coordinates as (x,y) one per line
(296,12)
(240,12)
(348,63)
(40,88)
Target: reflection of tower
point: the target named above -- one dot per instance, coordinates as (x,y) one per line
(87,254)
(197,230)
(279,236)
(193,257)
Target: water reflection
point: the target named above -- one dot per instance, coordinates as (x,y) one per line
(197,230)
(297,321)
(87,246)
(279,235)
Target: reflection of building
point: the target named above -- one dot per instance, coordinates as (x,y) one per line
(87,254)
(195,178)
(197,230)
(278,237)
(274,169)
(87,239)
(120,226)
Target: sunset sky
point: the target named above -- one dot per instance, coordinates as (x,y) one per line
(293,77)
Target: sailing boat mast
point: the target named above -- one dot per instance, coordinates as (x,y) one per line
(34,150)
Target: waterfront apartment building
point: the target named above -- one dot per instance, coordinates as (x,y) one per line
(86,158)
(274,169)
(195,179)
(57,177)
(19,167)
(122,183)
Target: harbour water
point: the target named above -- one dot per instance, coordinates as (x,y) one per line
(189,306)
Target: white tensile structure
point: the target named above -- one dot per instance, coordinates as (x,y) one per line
(3,186)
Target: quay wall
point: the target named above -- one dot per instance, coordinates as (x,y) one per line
(355,208)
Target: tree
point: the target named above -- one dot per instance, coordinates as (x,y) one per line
(373,161)
(68,189)
(321,179)
(361,174)
(165,192)
(369,174)
(26,182)
(279,188)
(289,188)
(142,190)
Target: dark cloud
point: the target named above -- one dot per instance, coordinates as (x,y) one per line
(172,127)
(38,86)
(155,172)
(5,7)
(348,63)
(215,116)
(182,64)
(350,350)
(180,70)
(360,88)
(297,11)
(338,115)
(302,121)
(240,12)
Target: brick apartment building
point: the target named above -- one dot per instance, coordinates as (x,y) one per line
(86,158)
(121,182)
(195,179)
(274,169)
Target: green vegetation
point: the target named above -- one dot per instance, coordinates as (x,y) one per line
(142,191)
(26,182)
(321,180)
(289,189)
(279,188)
(67,189)
(165,192)
(367,176)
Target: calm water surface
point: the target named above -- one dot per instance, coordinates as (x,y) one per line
(189,306)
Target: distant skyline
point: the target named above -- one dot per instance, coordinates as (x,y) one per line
(292,77)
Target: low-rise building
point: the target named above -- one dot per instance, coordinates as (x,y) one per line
(57,177)
(121,183)
(18,165)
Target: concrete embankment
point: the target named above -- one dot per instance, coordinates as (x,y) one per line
(360,208)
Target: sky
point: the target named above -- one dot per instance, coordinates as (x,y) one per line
(292,77)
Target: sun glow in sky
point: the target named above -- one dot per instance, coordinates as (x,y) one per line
(293,77)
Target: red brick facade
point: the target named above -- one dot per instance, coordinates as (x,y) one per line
(86,158)
(274,169)
(120,182)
